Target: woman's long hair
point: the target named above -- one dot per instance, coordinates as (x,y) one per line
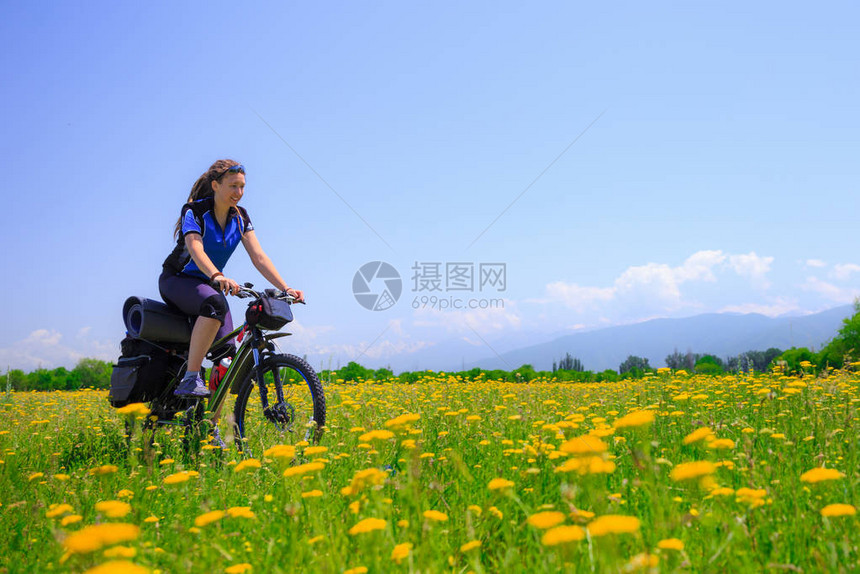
(202,188)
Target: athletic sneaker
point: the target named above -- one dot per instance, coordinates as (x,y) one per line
(194,388)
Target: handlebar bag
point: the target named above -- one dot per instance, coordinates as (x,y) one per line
(269,313)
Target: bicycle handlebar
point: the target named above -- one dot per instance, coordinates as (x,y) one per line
(247,290)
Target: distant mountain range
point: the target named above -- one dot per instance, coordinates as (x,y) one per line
(719,334)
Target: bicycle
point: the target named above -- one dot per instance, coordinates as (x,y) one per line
(255,364)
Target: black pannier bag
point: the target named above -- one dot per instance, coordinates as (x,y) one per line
(141,373)
(269,313)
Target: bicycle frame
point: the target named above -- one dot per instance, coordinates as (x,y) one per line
(249,356)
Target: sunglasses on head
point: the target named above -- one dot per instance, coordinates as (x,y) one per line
(232,169)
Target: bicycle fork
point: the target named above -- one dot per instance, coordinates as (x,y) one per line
(280,412)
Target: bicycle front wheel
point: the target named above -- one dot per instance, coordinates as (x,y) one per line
(300,416)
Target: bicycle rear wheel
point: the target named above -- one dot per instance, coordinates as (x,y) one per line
(301,416)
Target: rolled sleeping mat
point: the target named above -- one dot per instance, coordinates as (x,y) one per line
(155,321)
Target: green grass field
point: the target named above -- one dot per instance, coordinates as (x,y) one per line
(671,473)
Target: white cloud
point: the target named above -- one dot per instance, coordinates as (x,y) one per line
(699,266)
(656,287)
(843,271)
(482,321)
(43,337)
(815,263)
(753,267)
(379,349)
(576,297)
(44,348)
(308,333)
(780,306)
(828,290)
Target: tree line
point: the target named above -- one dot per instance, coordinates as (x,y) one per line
(88,373)
(842,349)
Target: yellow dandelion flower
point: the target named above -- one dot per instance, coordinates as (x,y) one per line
(635,419)
(238,568)
(104,469)
(721,444)
(247,463)
(151,518)
(315,539)
(722,491)
(98,536)
(139,410)
(496,512)
(62,477)
(356,570)
(376,434)
(582,445)
(470,546)
(670,544)
(58,509)
(120,552)
(750,493)
(697,435)
(281,451)
(435,516)
(303,469)
(368,525)
(547,519)
(363,479)
(312,450)
(118,567)
(402,421)
(500,484)
(125,493)
(562,535)
(581,516)
(35,475)
(312,494)
(692,470)
(641,562)
(113,508)
(820,474)
(240,512)
(208,518)
(403,524)
(401,551)
(833,510)
(177,478)
(71,519)
(475,508)
(587,465)
(613,524)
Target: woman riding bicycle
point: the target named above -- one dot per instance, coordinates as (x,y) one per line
(209,228)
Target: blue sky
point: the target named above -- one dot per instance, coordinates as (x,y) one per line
(712,167)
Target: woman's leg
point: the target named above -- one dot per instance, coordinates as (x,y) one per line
(195,296)
(202,337)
